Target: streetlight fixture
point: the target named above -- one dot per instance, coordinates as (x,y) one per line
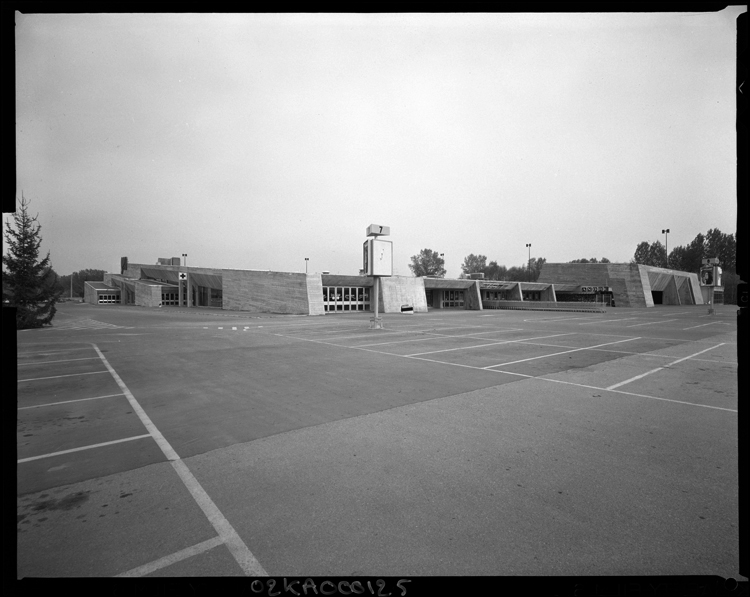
(665,232)
(306,260)
(185,256)
(441,257)
(528,265)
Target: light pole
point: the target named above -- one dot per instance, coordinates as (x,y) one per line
(442,255)
(306,260)
(186,289)
(528,265)
(666,244)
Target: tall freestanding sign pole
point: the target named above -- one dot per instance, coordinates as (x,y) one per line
(378,262)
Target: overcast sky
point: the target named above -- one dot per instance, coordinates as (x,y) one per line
(254,141)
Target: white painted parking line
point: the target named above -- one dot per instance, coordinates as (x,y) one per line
(484,345)
(731,410)
(609,320)
(649,323)
(242,555)
(117,441)
(633,353)
(68,401)
(637,377)
(705,324)
(58,376)
(553,319)
(464,366)
(554,354)
(183,554)
(63,361)
(21,354)
(436,336)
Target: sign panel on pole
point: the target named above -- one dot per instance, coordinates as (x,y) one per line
(382,257)
(376,230)
(707,276)
(377,257)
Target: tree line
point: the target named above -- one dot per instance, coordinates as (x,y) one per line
(688,258)
(431,263)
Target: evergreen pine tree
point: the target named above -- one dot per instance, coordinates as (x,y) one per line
(27,283)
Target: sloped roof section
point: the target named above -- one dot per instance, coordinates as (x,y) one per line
(447,284)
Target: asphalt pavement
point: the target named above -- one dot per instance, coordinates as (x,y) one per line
(197,442)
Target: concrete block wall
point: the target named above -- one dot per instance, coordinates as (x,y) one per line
(695,286)
(265,292)
(473,297)
(314,284)
(402,290)
(629,285)
(548,294)
(648,298)
(133,271)
(147,295)
(89,294)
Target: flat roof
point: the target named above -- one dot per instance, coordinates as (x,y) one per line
(102,286)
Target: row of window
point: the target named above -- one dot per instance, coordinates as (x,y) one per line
(497,295)
(171,299)
(338,298)
(109,298)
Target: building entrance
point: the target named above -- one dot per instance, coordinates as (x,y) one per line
(339,299)
(453,299)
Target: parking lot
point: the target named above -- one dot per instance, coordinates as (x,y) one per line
(180,442)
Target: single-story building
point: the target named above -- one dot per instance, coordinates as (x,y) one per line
(170,284)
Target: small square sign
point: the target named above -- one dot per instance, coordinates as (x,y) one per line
(376,230)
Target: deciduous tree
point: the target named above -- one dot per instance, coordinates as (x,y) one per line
(653,254)
(427,263)
(474,264)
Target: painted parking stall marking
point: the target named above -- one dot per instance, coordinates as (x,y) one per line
(242,555)
(68,401)
(637,377)
(650,323)
(116,441)
(226,535)
(183,554)
(59,376)
(554,354)
(416,354)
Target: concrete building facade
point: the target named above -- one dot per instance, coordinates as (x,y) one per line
(560,285)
